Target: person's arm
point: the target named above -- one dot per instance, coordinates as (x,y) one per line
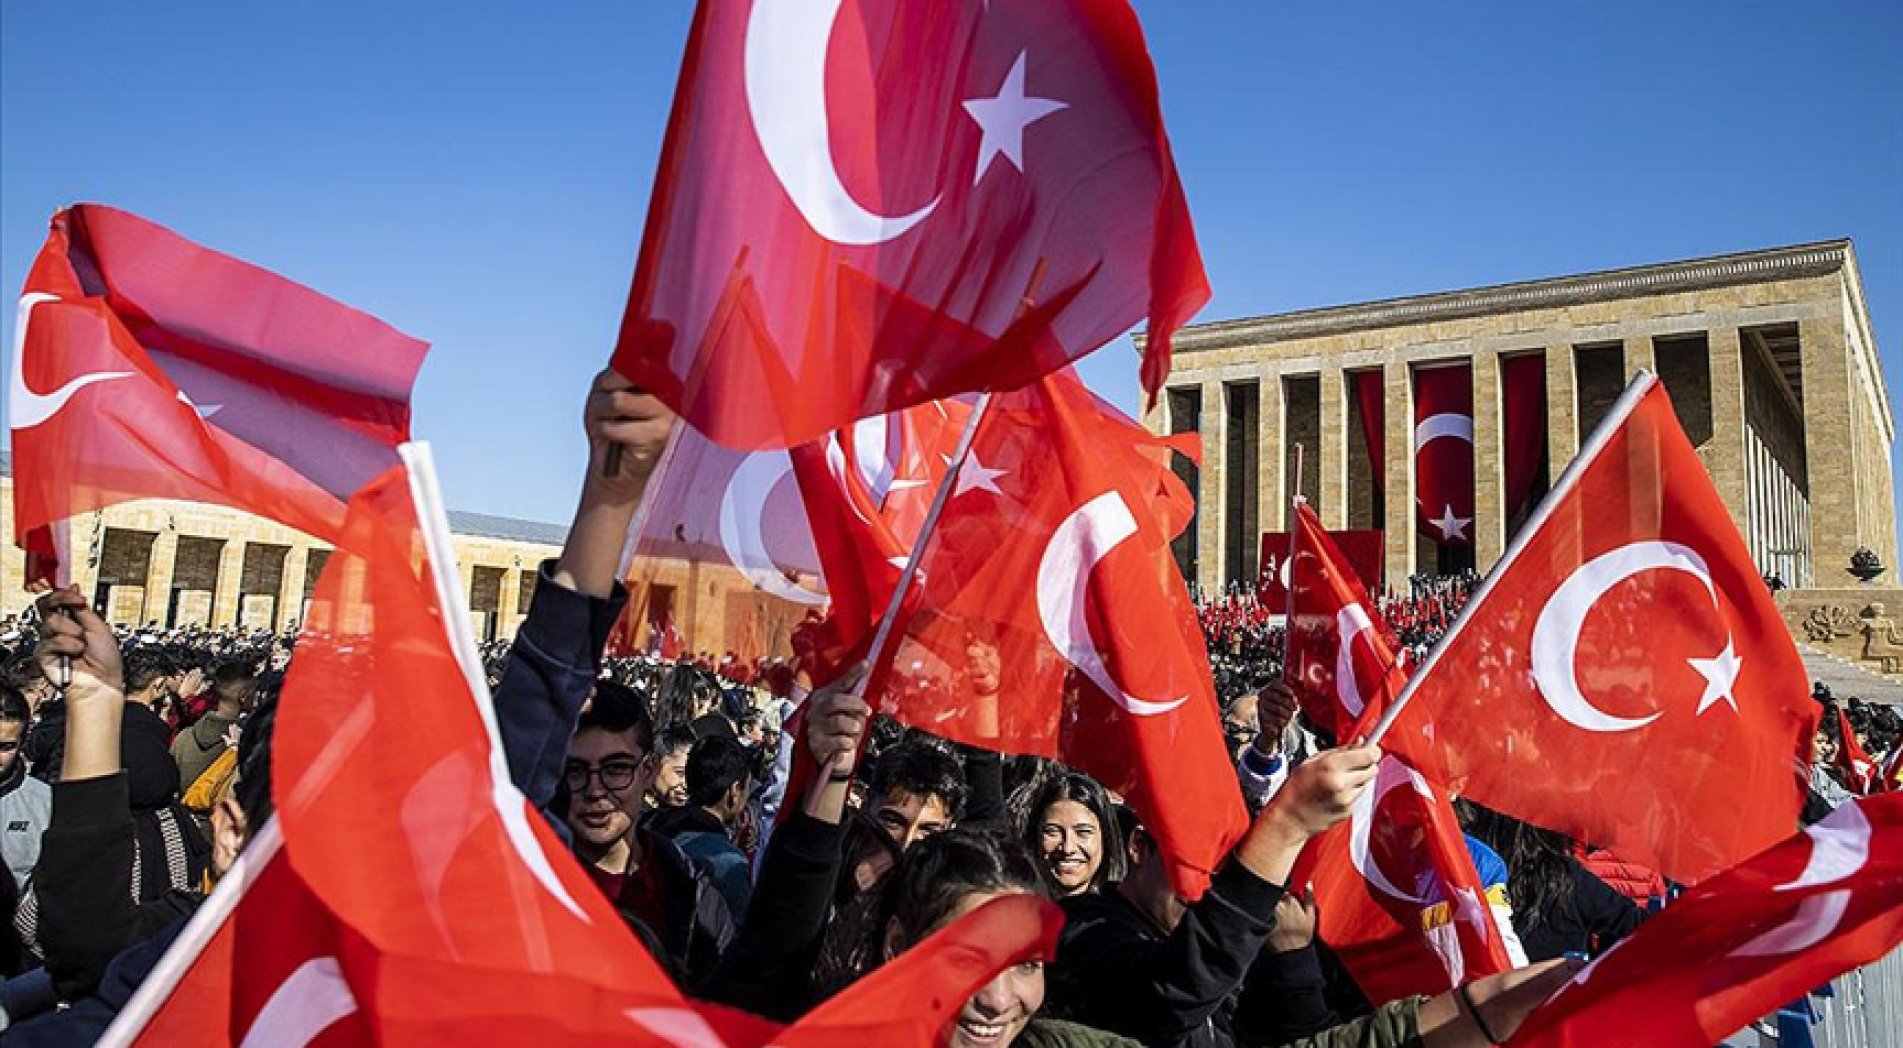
(1607,915)
(1163,989)
(984,778)
(557,652)
(1286,996)
(768,968)
(84,879)
(1264,767)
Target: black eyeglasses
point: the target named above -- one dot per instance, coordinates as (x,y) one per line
(616,775)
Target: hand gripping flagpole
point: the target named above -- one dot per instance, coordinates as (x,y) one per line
(1622,408)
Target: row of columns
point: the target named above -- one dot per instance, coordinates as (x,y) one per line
(1826,407)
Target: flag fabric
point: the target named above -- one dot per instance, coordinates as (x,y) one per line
(425,845)
(1399,899)
(723,558)
(1744,942)
(860,208)
(146,366)
(1623,676)
(1523,427)
(1049,580)
(1859,770)
(1362,549)
(868,489)
(1444,452)
(1342,659)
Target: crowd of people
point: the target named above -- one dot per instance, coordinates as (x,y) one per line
(1245,633)
(126,794)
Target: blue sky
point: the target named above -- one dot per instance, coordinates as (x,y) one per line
(476,174)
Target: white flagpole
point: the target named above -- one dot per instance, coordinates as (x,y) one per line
(1641,384)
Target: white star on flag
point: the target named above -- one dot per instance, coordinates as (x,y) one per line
(974,475)
(1721,677)
(1451,527)
(1004,118)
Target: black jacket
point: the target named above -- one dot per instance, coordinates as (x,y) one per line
(1117,971)
(1587,921)
(769,968)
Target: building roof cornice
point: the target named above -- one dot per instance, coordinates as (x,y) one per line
(1780,263)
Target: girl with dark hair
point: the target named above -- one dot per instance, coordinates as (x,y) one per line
(1559,907)
(1071,831)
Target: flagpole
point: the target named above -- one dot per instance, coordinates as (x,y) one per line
(1288,563)
(1641,384)
(946,486)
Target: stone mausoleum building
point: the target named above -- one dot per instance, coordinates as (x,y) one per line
(188,563)
(1768,356)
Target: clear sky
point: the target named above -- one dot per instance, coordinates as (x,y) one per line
(477,173)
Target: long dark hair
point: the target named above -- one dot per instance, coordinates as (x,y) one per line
(1539,862)
(931,878)
(938,872)
(1084,790)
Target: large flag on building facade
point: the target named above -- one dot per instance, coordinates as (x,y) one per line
(1051,619)
(855,203)
(1743,943)
(1623,676)
(146,366)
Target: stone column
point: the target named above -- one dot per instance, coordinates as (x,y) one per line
(1333,489)
(224,598)
(1489,462)
(1724,455)
(1210,522)
(290,609)
(1828,389)
(1639,354)
(506,601)
(159,565)
(1562,411)
(1272,445)
(1398,446)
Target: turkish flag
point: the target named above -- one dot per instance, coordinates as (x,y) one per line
(1623,675)
(1444,452)
(1398,897)
(146,366)
(866,205)
(868,489)
(1051,619)
(391,781)
(1523,425)
(723,557)
(1342,658)
(1744,942)
(1858,768)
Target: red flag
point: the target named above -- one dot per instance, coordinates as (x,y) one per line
(1858,768)
(1623,675)
(1444,452)
(1523,426)
(426,846)
(1342,659)
(146,366)
(1399,899)
(1743,943)
(867,489)
(723,555)
(1051,619)
(862,207)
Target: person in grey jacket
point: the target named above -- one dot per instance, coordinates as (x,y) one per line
(26,803)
